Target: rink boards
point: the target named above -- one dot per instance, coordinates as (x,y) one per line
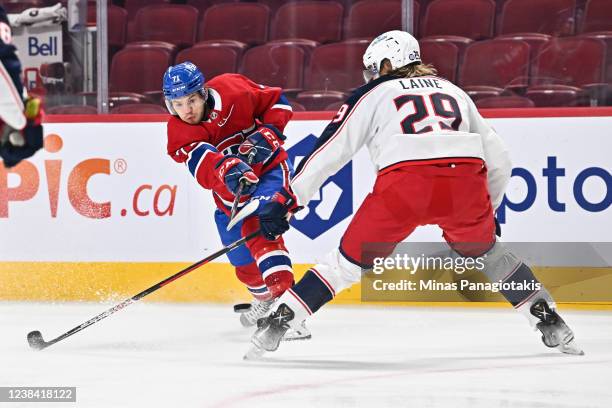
(104,212)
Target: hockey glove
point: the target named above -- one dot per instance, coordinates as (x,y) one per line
(273,219)
(263,142)
(16,145)
(232,171)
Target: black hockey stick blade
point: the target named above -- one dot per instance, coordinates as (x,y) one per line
(35,339)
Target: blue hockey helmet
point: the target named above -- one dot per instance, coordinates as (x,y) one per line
(182,80)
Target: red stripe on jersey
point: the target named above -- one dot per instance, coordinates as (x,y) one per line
(286,173)
(331,289)
(336,133)
(300,301)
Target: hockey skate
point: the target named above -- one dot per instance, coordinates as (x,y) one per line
(555,333)
(249,314)
(300,332)
(270,332)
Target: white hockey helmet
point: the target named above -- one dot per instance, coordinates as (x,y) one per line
(399,47)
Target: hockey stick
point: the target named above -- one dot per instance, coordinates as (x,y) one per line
(35,338)
(243,183)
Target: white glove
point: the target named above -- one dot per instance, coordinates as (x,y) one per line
(39,16)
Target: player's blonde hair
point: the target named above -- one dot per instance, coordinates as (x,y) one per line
(414,70)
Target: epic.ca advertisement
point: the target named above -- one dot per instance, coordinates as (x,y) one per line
(109,192)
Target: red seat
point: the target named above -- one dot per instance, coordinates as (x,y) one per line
(563,62)
(138,108)
(606,37)
(336,66)
(173,23)
(557,95)
(139,69)
(162,45)
(554,17)
(276,65)
(319,100)
(461,42)
(597,16)
(201,5)
(212,60)
(496,102)
(483,91)
(535,40)
(307,45)
(465,18)
(245,22)
(71,110)
(443,55)
(273,4)
(132,6)
(117,26)
(370,18)
(496,63)
(315,20)
(204,4)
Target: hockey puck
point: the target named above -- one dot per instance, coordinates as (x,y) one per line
(242,307)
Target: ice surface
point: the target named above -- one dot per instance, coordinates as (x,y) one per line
(160,355)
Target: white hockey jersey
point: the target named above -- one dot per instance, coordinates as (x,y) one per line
(405,121)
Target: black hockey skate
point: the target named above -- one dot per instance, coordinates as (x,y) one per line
(555,333)
(270,332)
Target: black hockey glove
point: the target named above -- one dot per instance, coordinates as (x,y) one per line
(273,217)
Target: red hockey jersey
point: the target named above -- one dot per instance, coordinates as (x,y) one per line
(238,106)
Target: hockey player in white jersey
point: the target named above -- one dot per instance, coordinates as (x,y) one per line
(438,162)
(20,116)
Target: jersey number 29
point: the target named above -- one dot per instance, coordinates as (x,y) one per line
(421,112)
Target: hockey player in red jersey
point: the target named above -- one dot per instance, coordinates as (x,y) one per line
(227,132)
(21,132)
(438,163)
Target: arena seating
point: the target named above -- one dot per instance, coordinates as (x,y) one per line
(502,64)
(494,48)
(173,23)
(212,58)
(465,18)
(276,65)
(597,16)
(369,18)
(444,55)
(127,73)
(314,20)
(244,22)
(554,17)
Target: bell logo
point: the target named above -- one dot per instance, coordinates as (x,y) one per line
(77,186)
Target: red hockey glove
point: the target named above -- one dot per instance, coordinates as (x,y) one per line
(232,171)
(262,144)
